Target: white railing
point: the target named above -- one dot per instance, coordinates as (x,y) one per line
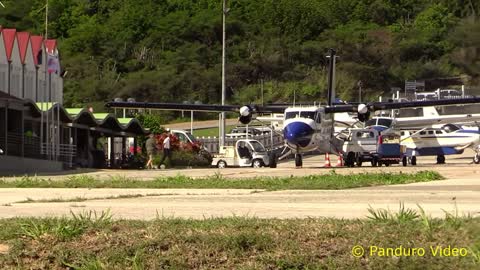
(269,141)
(60,152)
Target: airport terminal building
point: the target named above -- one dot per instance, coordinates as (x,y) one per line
(37,134)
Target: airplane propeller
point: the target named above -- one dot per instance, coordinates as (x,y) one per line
(363,112)
(246,114)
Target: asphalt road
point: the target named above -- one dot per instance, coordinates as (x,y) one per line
(461,193)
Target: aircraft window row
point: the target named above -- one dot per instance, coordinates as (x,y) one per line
(430,132)
(308,115)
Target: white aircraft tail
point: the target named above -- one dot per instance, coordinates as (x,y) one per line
(430,112)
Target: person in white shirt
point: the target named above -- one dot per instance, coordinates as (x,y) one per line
(166,149)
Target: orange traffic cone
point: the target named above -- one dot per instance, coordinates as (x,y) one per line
(327,161)
(339,161)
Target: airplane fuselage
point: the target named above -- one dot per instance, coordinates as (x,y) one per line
(307,129)
(448,140)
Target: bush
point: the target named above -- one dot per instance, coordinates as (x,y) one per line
(183,158)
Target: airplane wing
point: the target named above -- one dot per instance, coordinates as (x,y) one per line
(379,106)
(247,111)
(195,107)
(415,122)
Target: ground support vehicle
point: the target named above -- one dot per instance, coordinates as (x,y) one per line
(371,145)
(245,153)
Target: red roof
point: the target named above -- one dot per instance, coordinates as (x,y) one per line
(9,40)
(23,38)
(51,45)
(36,47)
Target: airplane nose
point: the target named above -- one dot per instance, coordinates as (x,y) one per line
(298,133)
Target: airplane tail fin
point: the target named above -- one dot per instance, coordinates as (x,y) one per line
(430,112)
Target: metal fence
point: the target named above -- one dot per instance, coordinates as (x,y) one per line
(62,152)
(33,148)
(14,143)
(270,141)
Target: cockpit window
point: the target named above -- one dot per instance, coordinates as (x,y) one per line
(310,115)
(450,128)
(384,122)
(379,122)
(289,115)
(371,122)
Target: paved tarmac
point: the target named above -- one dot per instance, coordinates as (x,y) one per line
(460,193)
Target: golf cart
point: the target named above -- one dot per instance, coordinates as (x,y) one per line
(245,153)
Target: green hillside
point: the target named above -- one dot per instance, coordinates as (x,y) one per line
(170,50)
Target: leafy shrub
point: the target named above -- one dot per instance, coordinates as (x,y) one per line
(183,158)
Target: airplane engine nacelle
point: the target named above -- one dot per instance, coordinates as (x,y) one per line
(363,113)
(247,114)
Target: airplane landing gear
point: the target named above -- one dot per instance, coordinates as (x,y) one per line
(412,160)
(440,159)
(476,158)
(298,160)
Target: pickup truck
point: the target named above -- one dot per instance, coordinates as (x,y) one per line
(371,145)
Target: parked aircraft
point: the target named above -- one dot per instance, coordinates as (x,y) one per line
(304,128)
(449,139)
(430,118)
(433,134)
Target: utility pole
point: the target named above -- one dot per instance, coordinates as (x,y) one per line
(222,115)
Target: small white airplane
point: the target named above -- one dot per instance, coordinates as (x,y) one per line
(428,135)
(304,128)
(448,139)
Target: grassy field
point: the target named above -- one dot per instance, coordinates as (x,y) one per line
(210,132)
(328,181)
(97,241)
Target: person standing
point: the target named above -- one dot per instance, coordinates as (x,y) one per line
(151,146)
(166,149)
